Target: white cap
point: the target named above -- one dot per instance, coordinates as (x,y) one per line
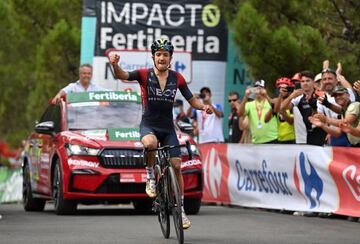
(318,77)
(260,83)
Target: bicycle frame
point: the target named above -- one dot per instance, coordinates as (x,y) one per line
(168,191)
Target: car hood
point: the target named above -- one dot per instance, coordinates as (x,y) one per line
(128,138)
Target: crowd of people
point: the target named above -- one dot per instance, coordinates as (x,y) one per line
(311,109)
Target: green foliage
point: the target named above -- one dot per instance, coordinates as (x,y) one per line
(281,37)
(38,56)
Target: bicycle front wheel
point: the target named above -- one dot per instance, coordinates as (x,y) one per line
(162,206)
(175,204)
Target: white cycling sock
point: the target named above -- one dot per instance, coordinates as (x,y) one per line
(149,173)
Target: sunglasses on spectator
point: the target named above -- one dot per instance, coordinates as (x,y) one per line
(232,100)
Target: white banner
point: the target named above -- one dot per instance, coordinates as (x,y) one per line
(296,178)
(290,177)
(131,60)
(197,73)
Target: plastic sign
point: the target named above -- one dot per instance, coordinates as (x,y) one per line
(105,96)
(124,134)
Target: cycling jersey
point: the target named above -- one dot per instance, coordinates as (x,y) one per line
(157,118)
(158,104)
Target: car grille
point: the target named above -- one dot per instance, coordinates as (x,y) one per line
(122,159)
(112,185)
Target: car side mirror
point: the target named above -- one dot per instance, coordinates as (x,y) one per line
(46,127)
(185,127)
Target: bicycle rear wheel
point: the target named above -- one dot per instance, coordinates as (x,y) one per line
(162,206)
(175,204)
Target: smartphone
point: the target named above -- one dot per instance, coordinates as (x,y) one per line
(290,88)
(297,85)
(202,95)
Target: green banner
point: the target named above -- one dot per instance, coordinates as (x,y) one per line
(10,185)
(237,79)
(104,96)
(124,134)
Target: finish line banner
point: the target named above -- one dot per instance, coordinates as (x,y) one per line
(290,177)
(194,27)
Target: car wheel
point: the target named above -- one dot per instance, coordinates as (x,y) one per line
(62,206)
(192,205)
(143,205)
(29,202)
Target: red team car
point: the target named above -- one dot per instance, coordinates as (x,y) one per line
(87,150)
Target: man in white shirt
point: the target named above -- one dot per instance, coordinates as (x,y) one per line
(209,125)
(328,105)
(82,85)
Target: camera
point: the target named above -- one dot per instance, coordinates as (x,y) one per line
(202,95)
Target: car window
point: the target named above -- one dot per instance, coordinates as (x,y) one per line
(56,118)
(85,116)
(46,115)
(53,113)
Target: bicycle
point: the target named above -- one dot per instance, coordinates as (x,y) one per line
(168,196)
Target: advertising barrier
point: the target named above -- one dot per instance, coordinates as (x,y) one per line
(10,185)
(289,177)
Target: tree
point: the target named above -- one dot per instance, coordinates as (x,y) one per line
(281,37)
(39,55)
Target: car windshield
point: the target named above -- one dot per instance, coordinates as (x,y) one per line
(103,115)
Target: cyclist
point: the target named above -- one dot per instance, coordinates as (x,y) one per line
(158,91)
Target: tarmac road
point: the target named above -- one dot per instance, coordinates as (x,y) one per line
(214,224)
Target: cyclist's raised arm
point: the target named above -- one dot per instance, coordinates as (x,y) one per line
(193,101)
(119,73)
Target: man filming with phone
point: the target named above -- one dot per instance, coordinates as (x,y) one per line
(306,100)
(263,126)
(284,119)
(209,125)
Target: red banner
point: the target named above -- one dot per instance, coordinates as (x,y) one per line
(345,169)
(216,172)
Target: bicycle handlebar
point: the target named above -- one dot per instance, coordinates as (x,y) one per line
(168,147)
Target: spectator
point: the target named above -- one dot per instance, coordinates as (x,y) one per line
(235,122)
(342,98)
(209,125)
(82,85)
(317,81)
(262,124)
(306,101)
(178,111)
(328,106)
(296,79)
(285,119)
(299,126)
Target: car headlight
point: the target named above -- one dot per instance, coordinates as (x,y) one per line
(73,149)
(194,150)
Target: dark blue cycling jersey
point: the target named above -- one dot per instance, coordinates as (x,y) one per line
(158,104)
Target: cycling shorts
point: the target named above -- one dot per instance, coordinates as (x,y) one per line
(165,135)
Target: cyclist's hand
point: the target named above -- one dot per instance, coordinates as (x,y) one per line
(208,109)
(114,58)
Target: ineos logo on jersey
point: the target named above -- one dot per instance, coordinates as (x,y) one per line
(213,173)
(159,93)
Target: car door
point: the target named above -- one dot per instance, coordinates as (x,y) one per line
(46,147)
